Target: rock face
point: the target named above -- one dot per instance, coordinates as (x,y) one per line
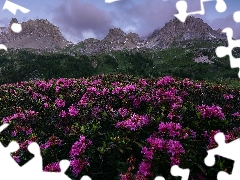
(41,34)
(175,30)
(116,39)
(35,34)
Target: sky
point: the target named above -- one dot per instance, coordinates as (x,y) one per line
(82,19)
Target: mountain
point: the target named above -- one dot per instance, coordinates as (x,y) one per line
(43,35)
(176,31)
(173,32)
(35,34)
(116,39)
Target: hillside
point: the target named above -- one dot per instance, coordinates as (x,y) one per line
(185,50)
(197,60)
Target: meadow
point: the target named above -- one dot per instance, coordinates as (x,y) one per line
(119,126)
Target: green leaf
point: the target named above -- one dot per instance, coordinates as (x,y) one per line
(198,115)
(82,129)
(150,109)
(163,108)
(184,109)
(105,114)
(158,119)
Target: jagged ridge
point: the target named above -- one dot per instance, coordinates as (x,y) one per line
(41,34)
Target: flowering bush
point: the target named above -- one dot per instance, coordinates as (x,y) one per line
(119,126)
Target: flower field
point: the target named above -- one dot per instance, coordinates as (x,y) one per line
(120,126)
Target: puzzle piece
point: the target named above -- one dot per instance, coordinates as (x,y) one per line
(33,168)
(236,16)
(111,1)
(35,164)
(222,51)
(182,8)
(12,7)
(159,178)
(5,155)
(177,171)
(227,150)
(3,126)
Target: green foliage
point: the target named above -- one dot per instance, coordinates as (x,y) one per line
(176,61)
(111,146)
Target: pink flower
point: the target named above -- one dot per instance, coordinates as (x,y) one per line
(144,168)
(76,165)
(164,81)
(148,154)
(45,105)
(134,122)
(227,97)
(72,111)
(53,167)
(16,158)
(211,111)
(60,102)
(62,113)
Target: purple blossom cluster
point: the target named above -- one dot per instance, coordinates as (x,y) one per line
(229,136)
(68,104)
(135,122)
(211,111)
(228,96)
(53,167)
(52,141)
(78,148)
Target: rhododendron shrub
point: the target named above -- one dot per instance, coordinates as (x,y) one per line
(119,126)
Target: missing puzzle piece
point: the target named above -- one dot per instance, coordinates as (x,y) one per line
(12,7)
(111,1)
(227,150)
(222,51)
(177,171)
(35,164)
(182,6)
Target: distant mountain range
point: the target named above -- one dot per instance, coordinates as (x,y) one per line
(43,35)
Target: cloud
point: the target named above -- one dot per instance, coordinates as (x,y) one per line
(78,19)
(81,19)
(145,16)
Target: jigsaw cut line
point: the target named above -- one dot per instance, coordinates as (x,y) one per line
(221,6)
(182,8)
(228,150)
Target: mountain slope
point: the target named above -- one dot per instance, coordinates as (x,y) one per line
(43,35)
(35,34)
(175,30)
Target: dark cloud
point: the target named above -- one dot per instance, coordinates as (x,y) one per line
(78,18)
(145,17)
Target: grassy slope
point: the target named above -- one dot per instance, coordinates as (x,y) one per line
(176,61)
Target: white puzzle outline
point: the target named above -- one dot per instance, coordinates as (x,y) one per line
(12,7)
(228,150)
(221,6)
(182,7)
(34,148)
(33,168)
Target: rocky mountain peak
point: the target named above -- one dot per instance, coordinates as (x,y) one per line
(175,30)
(35,34)
(114,34)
